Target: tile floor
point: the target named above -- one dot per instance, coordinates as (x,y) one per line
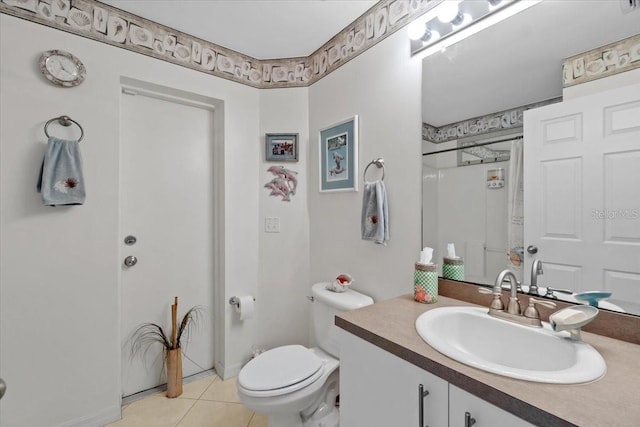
(207,402)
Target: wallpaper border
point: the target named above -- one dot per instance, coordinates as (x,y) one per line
(104,23)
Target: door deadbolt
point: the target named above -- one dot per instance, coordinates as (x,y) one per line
(130,240)
(532,249)
(130,261)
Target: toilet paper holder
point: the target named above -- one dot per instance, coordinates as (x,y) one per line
(236,301)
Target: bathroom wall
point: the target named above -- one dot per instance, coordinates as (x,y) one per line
(59,267)
(600,85)
(382,86)
(282,307)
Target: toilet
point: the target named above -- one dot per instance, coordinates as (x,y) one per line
(295,386)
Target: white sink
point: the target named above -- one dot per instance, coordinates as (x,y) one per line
(470,336)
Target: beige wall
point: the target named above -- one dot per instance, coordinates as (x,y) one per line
(59,304)
(282,308)
(60,339)
(382,86)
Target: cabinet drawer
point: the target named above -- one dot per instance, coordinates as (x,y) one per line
(378,389)
(484,413)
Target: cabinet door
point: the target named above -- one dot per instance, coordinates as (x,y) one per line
(378,389)
(485,414)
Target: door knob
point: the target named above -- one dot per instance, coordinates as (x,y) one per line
(130,261)
(532,249)
(3,387)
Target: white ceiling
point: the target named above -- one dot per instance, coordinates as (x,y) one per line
(263,29)
(518,61)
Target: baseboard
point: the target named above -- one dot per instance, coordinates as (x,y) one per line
(226,372)
(100,419)
(163,387)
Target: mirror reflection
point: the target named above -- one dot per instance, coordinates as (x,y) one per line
(476,96)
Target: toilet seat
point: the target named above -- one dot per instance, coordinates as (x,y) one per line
(280,371)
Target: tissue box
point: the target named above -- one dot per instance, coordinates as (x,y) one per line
(340,283)
(453,268)
(425,280)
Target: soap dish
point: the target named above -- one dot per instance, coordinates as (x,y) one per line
(592,297)
(584,314)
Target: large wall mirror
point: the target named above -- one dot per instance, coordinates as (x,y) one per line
(473,195)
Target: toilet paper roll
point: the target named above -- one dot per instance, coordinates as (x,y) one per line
(246,307)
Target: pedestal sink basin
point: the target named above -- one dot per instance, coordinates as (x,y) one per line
(470,336)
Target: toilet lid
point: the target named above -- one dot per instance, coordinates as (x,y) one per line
(278,368)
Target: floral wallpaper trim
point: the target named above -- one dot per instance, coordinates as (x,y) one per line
(107,24)
(604,61)
(480,125)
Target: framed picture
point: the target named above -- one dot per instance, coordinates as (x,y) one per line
(339,156)
(281,147)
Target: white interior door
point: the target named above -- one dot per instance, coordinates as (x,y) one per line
(582,193)
(167,204)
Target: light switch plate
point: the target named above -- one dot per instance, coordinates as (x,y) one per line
(271,224)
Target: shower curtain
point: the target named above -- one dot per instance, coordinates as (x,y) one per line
(516,211)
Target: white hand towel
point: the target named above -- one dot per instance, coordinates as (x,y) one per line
(61,181)
(375,213)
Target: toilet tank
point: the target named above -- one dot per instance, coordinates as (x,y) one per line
(328,304)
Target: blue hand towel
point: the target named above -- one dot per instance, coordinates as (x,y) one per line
(375,213)
(61,181)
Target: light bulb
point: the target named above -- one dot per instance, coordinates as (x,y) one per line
(447,11)
(416,30)
(461,20)
(430,36)
(494,4)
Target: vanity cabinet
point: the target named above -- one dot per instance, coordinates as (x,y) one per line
(378,389)
(484,413)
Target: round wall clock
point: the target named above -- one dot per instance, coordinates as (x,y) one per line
(62,68)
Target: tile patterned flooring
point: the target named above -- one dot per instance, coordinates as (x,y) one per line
(207,402)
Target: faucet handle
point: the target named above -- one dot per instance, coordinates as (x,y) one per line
(532,312)
(551,290)
(496,303)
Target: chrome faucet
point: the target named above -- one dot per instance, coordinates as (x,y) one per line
(529,317)
(536,270)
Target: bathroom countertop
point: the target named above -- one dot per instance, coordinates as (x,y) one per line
(614,400)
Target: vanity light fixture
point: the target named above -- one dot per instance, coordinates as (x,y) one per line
(417,30)
(461,20)
(448,11)
(430,36)
(455,20)
(423,34)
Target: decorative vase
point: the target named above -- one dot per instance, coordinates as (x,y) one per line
(174,372)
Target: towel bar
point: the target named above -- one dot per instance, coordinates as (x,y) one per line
(379,162)
(64,121)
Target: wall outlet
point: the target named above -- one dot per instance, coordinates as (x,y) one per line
(271,224)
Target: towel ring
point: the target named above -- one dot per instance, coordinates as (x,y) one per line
(64,121)
(379,162)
